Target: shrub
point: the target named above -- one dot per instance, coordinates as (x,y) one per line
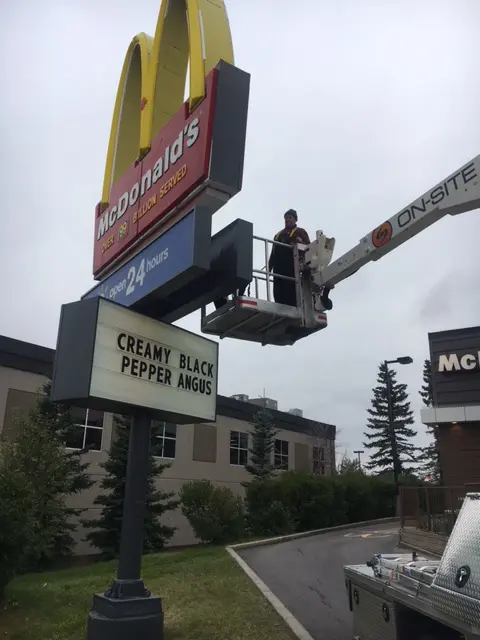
(266,513)
(299,501)
(214,513)
(308,498)
(16,523)
(305,501)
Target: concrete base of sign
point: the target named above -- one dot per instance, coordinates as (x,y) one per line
(123,618)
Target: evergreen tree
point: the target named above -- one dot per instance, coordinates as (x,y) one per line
(378,436)
(263,443)
(56,474)
(61,423)
(349,465)
(429,458)
(106,530)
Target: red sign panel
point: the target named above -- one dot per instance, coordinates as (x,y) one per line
(176,165)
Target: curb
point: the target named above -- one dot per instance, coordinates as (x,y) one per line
(300,632)
(308,534)
(405,545)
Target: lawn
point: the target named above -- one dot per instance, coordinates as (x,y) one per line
(206,596)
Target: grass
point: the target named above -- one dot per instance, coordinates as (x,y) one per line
(205,594)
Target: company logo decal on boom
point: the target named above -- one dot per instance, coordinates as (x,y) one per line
(170,157)
(431,200)
(382,234)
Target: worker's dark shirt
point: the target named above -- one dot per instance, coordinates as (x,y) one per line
(281,259)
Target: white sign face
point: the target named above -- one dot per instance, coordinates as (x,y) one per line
(149,364)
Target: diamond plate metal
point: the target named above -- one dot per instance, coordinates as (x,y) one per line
(368,620)
(462,550)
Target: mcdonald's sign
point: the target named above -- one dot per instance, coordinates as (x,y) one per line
(164,154)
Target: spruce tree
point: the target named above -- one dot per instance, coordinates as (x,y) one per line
(61,422)
(263,443)
(349,465)
(56,474)
(105,535)
(430,458)
(378,435)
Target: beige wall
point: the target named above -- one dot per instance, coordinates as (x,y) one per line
(211,442)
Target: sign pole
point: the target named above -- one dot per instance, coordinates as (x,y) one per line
(127,609)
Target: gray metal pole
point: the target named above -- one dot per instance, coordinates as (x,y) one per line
(391,427)
(131,541)
(128,610)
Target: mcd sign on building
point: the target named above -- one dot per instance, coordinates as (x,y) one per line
(455,411)
(455,358)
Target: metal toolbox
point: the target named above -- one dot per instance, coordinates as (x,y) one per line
(455,589)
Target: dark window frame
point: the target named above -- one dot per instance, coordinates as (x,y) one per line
(167,440)
(318,460)
(86,429)
(239,448)
(280,457)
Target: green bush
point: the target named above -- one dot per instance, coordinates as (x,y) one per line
(308,498)
(303,501)
(214,513)
(266,511)
(16,521)
(298,501)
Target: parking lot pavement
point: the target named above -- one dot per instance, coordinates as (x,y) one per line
(307,574)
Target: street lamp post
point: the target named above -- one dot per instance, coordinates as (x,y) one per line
(391,423)
(359,453)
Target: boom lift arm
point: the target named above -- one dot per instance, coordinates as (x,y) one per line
(271,323)
(459,192)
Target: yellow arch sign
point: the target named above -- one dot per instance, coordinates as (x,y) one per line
(152,82)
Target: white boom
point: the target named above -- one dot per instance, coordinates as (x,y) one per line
(459,192)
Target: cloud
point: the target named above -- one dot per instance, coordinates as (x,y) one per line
(356,109)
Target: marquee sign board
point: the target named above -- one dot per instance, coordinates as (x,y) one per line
(113,359)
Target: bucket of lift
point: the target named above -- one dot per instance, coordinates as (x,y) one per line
(264,321)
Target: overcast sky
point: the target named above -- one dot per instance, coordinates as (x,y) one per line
(357,107)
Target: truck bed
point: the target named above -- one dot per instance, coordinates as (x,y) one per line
(405,597)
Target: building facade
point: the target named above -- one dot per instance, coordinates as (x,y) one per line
(455,414)
(216,451)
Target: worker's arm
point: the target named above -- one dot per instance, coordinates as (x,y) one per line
(302,236)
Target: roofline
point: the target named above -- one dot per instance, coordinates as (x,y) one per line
(33,358)
(446,332)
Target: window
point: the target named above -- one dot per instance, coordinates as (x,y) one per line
(319,460)
(164,439)
(238,448)
(87,431)
(281,454)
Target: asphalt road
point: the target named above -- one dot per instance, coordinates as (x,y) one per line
(307,574)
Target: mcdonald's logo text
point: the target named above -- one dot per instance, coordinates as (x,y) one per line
(131,198)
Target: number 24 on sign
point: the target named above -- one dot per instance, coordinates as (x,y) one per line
(135,276)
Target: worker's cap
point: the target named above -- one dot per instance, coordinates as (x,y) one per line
(291,212)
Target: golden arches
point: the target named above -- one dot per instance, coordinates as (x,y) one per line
(152,82)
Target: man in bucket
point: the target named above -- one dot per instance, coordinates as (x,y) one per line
(281,262)
(281,259)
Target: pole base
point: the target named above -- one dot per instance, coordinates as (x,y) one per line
(124,618)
